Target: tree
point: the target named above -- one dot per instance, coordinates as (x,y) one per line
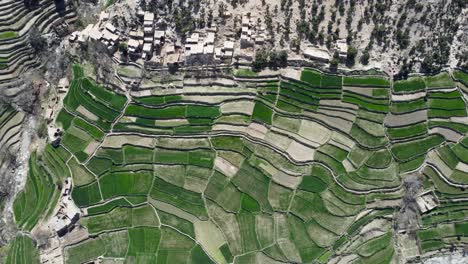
(222,11)
(364,58)
(184,20)
(79,24)
(123,47)
(404,71)
(296,44)
(261,60)
(351,56)
(210,18)
(273,59)
(334,61)
(428,65)
(283,58)
(402,38)
(334,64)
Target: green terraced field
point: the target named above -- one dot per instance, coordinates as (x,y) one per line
(461,76)
(21,250)
(38,194)
(295,171)
(8,35)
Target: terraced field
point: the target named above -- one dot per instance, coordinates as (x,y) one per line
(21,250)
(10,135)
(16,53)
(258,169)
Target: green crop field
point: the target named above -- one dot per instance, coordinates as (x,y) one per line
(270,170)
(441,80)
(367,81)
(413,84)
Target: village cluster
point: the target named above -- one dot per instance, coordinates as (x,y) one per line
(154,44)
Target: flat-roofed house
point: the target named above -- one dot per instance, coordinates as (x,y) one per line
(94,33)
(342,48)
(316,54)
(193,39)
(210,38)
(103,16)
(67,214)
(148,18)
(110,37)
(159,37)
(228,46)
(427,201)
(208,50)
(148,23)
(147,50)
(133,45)
(227,54)
(84,34)
(110,27)
(194,54)
(63,84)
(218,55)
(136,34)
(245,21)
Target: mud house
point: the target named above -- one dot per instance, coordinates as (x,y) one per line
(342,49)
